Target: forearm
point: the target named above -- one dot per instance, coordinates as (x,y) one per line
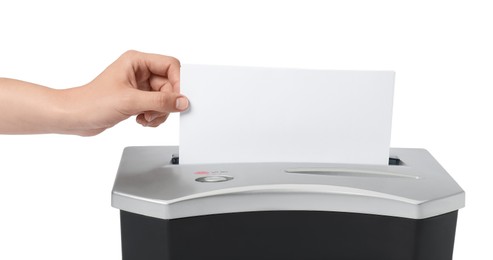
(28,108)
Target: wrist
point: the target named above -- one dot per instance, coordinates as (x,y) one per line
(77,112)
(68,114)
(61,112)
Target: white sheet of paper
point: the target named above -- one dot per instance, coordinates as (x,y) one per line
(249,114)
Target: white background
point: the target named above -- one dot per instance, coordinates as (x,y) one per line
(55,190)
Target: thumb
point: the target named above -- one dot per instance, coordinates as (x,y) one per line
(165,102)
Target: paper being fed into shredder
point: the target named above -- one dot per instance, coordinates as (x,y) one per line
(405,209)
(243,114)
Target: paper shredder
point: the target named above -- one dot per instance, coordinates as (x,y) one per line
(406,210)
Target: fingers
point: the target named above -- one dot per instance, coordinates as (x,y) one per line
(155,92)
(141,119)
(161,65)
(160,83)
(151,115)
(155,122)
(161,102)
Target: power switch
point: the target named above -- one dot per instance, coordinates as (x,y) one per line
(214,178)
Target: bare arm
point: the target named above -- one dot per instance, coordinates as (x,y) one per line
(146,85)
(28,108)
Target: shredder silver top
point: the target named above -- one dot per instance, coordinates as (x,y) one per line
(148,184)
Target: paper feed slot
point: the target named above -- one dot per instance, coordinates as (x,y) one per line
(175,159)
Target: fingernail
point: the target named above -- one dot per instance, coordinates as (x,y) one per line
(181,103)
